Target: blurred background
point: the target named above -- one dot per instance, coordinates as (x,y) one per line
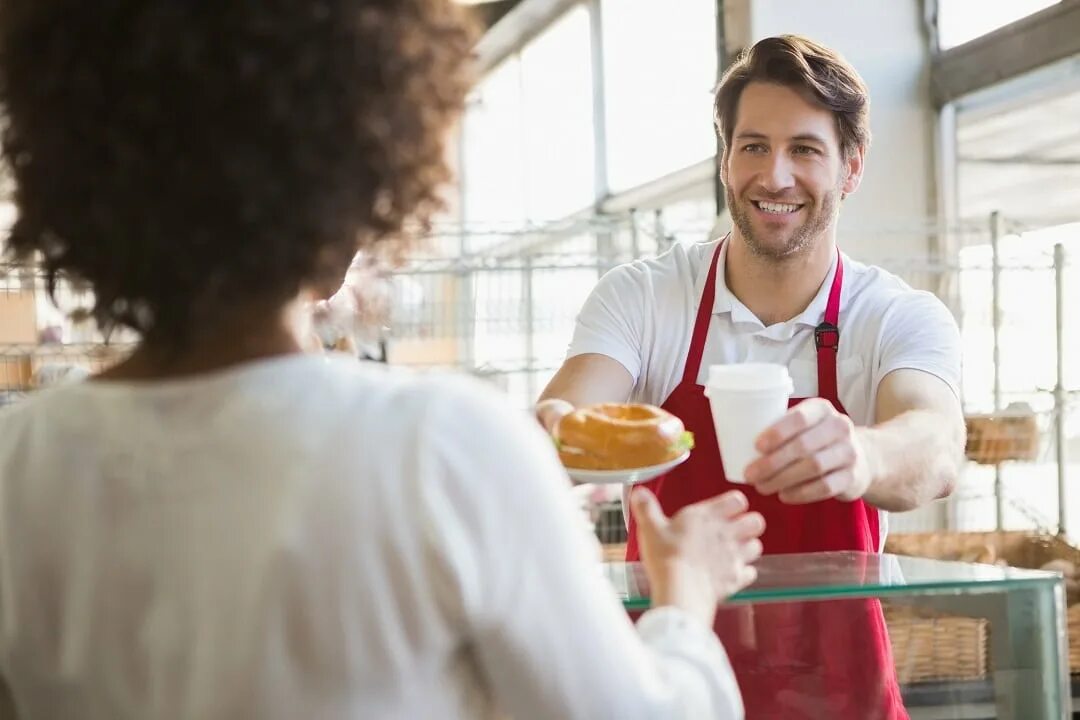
(589,141)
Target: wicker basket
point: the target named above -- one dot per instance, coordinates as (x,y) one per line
(1004,436)
(929,646)
(1018,549)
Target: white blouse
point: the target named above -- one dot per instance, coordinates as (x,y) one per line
(313,538)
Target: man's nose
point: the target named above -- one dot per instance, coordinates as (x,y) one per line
(777,176)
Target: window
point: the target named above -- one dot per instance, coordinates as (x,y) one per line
(1027,373)
(556,77)
(659,74)
(533,101)
(493,163)
(962,20)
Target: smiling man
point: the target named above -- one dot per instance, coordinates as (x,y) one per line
(875,424)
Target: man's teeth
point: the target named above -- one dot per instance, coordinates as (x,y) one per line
(777,208)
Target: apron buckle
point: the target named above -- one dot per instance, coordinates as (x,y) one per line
(827,335)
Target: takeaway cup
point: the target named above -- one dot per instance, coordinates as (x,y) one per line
(746,399)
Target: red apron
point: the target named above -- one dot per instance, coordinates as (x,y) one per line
(828,659)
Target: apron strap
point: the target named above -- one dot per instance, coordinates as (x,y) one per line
(701,324)
(826,335)
(827,338)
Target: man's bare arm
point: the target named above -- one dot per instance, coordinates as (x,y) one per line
(916,448)
(583,380)
(911,456)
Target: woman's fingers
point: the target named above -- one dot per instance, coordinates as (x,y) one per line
(747,526)
(750,550)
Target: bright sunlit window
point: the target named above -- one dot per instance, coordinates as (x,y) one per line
(533,102)
(962,20)
(493,158)
(659,74)
(1028,337)
(556,78)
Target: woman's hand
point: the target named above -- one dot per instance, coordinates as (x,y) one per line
(701,554)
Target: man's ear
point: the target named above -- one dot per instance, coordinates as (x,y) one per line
(853,170)
(724,167)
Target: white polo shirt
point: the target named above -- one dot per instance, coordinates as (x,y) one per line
(642,315)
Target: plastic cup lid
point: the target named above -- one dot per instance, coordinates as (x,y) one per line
(749,377)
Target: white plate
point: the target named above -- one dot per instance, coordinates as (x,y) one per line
(625,477)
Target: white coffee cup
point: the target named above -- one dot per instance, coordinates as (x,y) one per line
(745,399)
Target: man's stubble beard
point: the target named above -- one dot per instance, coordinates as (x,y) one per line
(803,239)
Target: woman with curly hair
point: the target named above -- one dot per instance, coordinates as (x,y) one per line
(222,526)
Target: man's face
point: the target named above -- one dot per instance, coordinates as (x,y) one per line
(784,173)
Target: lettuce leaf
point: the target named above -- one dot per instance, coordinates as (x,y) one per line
(685,441)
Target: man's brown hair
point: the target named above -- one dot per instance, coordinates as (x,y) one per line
(821,75)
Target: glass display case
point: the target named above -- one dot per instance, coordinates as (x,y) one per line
(1021,613)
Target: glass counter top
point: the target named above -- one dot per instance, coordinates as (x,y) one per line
(1022,611)
(821,576)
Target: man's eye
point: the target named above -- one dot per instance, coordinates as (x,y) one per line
(806,150)
(754,148)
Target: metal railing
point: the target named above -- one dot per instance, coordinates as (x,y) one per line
(500,303)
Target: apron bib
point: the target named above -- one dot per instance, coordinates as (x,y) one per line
(826,659)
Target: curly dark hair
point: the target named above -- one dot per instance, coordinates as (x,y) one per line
(178,156)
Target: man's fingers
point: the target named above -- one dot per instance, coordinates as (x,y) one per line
(821,435)
(797,420)
(549,412)
(817,490)
(822,462)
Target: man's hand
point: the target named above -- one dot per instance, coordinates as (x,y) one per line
(811,454)
(550,411)
(582,380)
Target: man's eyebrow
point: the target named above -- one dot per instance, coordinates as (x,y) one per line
(810,137)
(801,137)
